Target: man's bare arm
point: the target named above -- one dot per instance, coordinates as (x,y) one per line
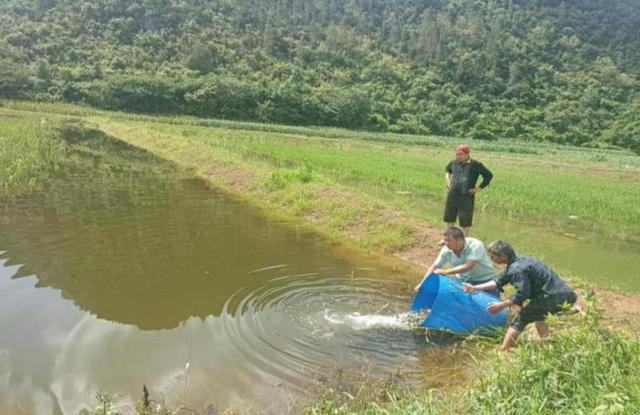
(467,266)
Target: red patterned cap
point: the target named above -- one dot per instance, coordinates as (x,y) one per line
(463,148)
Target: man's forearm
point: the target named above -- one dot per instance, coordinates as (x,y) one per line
(496,306)
(487,176)
(454,270)
(489,285)
(467,266)
(505,304)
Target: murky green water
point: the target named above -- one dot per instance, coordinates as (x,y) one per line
(124,272)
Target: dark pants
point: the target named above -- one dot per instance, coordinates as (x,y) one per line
(459,205)
(538,308)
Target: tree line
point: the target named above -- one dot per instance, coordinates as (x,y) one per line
(552,70)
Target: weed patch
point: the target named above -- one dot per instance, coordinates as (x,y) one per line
(29,153)
(583,368)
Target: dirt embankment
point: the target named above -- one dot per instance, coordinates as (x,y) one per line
(619,310)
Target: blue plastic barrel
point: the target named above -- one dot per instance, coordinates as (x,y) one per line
(453,309)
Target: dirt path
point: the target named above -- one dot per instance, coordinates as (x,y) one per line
(619,310)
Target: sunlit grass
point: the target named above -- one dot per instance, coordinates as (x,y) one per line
(589,190)
(29,152)
(529,188)
(582,369)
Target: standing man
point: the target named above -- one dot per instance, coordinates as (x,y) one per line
(461,175)
(467,257)
(534,281)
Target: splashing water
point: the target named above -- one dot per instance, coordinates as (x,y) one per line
(357,321)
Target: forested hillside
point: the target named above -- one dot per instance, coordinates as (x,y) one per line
(563,71)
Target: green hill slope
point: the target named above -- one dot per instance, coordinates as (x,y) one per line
(561,71)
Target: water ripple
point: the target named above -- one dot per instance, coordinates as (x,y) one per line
(299,326)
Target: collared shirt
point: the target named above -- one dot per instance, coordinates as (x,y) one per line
(473,249)
(464,176)
(532,279)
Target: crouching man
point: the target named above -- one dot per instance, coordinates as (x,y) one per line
(534,281)
(468,259)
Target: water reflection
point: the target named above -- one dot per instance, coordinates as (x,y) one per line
(180,287)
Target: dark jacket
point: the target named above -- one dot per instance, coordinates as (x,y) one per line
(464,176)
(533,280)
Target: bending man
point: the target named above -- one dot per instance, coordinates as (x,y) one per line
(467,256)
(534,281)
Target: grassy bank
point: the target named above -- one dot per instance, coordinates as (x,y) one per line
(384,191)
(29,151)
(535,182)
(582,369)
(598,188)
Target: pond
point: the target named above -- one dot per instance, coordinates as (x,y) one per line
(124,272)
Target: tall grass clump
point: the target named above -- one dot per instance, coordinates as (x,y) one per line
(583,369)
(373,398)
(29,152)
(281,178)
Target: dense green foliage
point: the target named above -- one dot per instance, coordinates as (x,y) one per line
(537,70)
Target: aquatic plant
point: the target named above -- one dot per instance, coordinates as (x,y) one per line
(106,405)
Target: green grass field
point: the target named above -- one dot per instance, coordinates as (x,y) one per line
(540,187)
(534,182)
(539,183)
(29,152)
